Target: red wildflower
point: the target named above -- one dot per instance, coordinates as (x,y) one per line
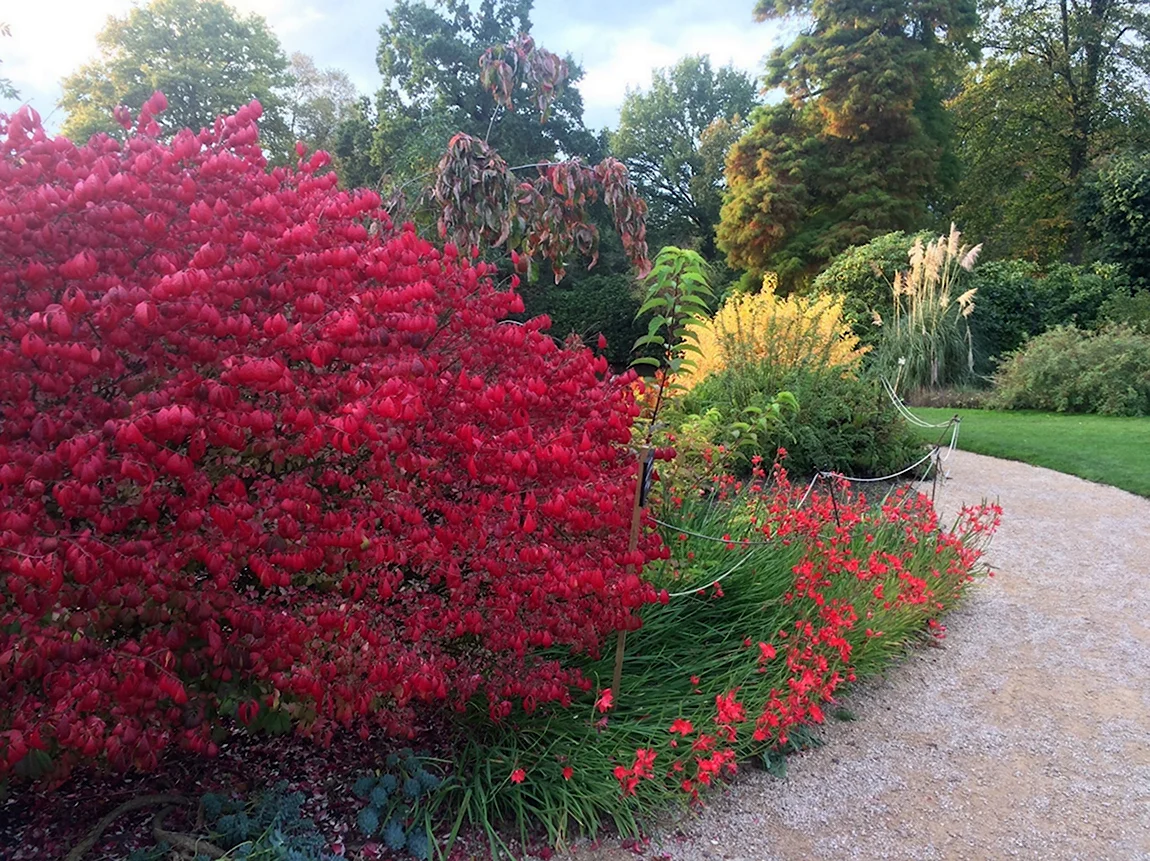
(567,772)
(518,776)
(605,701)
(644,760)
(681,726)
(703,742)
(730,709)
(627,779)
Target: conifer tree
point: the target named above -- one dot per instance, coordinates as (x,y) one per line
(861,144)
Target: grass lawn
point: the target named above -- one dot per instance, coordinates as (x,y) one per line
(1108,450)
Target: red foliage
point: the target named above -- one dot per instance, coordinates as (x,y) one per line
(262,455)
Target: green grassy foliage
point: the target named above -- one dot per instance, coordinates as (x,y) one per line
(1105,449)
(791,619)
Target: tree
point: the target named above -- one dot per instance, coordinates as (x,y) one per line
(1122,214)
(1014,192)
(352,146)
(318,102)
(427,57)
(860,147)
(1065,83)
(673,139)
(206,60)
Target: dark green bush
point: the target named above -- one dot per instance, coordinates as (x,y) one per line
(588,306)
(1069,370)
(843,423)
(1016,300)
(1122,214)
(863,274)
(1007,309)
(1132,310)
(1073,295)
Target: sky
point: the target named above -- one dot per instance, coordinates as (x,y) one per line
(618,42)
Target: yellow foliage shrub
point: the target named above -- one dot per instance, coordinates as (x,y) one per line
(761,327)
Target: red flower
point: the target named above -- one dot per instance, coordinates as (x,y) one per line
(518,776)
(644,760)
(766,652)
(567,772)
(605,701)
(681,726)
(730,709)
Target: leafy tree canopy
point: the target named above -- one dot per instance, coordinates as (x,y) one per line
(1063,84)
(318,102)
(1121,220)
(674,138)
(7,91)
(205,58)
(428,56)
(861,144)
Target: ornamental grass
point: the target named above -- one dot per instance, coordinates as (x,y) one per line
(927,342)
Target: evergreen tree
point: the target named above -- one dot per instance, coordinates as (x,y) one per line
(861,145)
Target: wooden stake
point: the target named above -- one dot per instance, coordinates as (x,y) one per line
(632,545)
(934,486)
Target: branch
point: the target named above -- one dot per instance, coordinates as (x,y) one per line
(128,806)
(196,845)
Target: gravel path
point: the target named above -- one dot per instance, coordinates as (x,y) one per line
(1027,736)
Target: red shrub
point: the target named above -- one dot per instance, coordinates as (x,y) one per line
(261,454)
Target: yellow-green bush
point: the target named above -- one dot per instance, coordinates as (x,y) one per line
(782,333)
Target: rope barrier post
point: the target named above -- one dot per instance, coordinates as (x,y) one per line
(937,465)
(645,466)
(835,502)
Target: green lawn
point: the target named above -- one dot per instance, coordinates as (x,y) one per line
(1099,448)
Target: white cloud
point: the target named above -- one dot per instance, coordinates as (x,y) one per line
(620,57)
(51,40)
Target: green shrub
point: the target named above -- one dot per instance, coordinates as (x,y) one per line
(1074,295)
(1016,300)
(1075,371)
(863,274)
(843,423)
(1131,310)
(1007,309)
(588,306)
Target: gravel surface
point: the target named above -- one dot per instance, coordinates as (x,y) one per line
(1027,736)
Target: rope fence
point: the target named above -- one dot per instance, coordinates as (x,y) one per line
(904,410)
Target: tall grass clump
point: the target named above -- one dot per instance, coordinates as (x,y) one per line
(927,341)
